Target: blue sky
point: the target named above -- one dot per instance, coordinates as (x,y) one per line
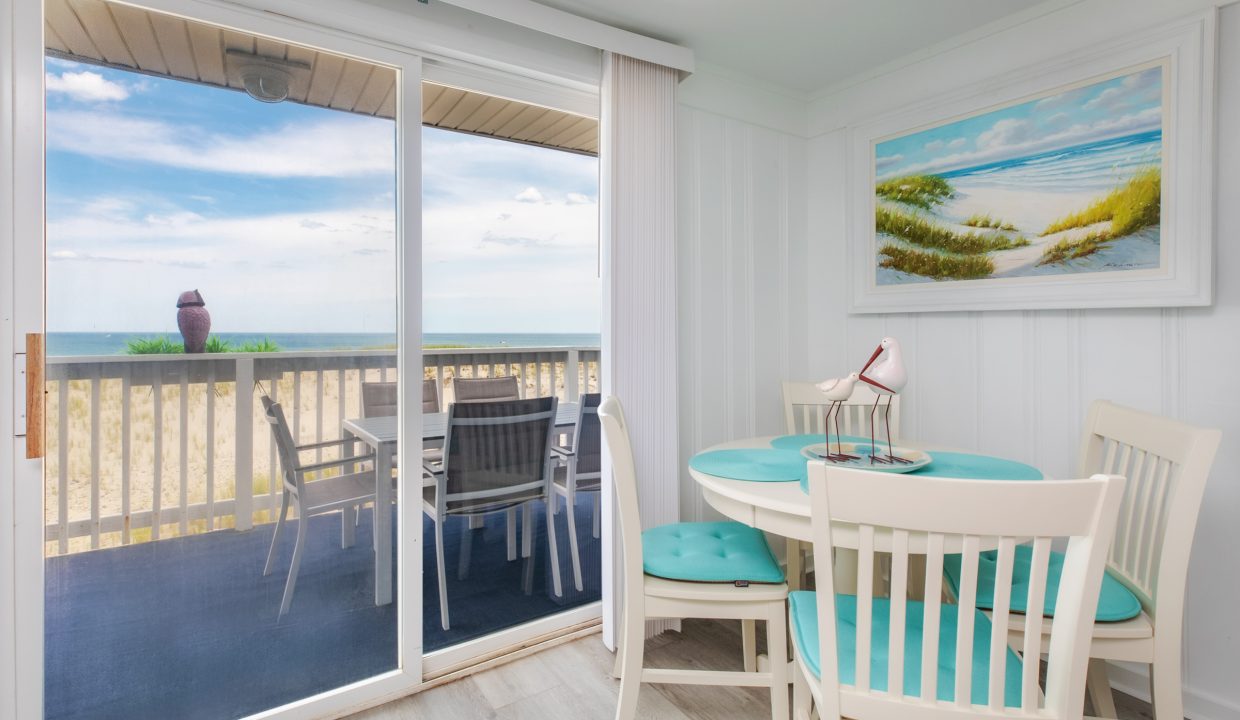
(282,215)
(1117,107)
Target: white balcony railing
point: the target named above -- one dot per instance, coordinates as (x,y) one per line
(149,446)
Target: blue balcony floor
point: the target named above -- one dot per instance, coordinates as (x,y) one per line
(185,628)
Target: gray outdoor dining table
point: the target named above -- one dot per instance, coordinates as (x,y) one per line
(381,434)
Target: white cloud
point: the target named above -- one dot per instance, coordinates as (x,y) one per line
(577,199)
(529,195)
(339,147)
(957,144)
(85,86)
(887,161)
(1005,133)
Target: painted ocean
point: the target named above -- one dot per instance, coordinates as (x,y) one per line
(1065,184)
(103,343)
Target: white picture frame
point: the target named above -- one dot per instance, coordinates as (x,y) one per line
(1184,276)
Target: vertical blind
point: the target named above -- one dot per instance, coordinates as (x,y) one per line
(638,230)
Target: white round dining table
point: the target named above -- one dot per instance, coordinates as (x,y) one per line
(780,508)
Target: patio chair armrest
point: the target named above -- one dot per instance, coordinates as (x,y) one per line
(335,463)
(563,452)
(326,444)
(432,469)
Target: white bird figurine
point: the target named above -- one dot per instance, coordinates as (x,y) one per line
(885,374)
(838,391)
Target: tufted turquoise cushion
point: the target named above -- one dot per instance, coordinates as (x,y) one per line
(1115,602)
(804,617)
(709,552)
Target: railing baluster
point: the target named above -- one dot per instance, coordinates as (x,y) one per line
(94,457)
(340,412)
(297,405)
(62,469)
(157,445)
(243,515)
(210,446)
(184,439)
(126,444)
(272,470)
(318,413)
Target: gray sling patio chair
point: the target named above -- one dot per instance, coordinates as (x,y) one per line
(581,470)
(345,493)
(496,458)
(484,389)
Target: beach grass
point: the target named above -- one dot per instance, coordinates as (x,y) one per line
(940,266)
(1066,249)
(927,234)
(1130,207)
(164,346)
(923,191)
(986,221)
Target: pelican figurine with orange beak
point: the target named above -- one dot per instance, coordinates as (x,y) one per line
(838,391)
(885,374)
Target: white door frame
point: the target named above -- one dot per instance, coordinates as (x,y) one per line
(22,311)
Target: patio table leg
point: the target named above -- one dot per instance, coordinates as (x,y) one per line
(382,523)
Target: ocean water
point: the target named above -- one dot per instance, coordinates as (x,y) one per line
(1096,166)
(114,343)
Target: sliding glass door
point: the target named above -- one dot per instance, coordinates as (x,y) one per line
(231,314)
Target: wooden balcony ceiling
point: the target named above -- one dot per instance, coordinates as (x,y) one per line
(152,43)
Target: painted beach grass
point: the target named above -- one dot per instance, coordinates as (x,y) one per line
(1062,184)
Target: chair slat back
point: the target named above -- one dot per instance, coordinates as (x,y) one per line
(805,408)
(497,453)
(380,399)
(624,477)
(486,389)
(286,447)
(1167,463)
(587,437)
(909,516)
(430,396)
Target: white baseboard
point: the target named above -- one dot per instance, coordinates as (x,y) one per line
(1197,705)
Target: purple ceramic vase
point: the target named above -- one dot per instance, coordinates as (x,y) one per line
(193,320)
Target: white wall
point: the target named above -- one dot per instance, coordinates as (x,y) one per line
(741,241)
(761,237)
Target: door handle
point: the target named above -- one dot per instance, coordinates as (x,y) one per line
(36,391)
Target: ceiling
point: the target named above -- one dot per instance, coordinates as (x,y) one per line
(803,45)
(152,43)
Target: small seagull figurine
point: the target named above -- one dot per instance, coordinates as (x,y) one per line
(885,374)
(838,391)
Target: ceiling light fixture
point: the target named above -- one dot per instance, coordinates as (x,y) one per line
(265,79)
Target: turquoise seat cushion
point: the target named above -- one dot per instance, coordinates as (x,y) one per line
(1115,603)
(803,612)
(709,552)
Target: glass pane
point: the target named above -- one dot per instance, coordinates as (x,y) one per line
(211,247)
(512,309)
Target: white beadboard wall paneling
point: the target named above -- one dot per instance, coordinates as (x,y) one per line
(741,240)
(640,331)
(1018,383)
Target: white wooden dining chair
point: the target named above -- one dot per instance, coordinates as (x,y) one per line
(893,658)
(581,471)
(805,409)
(344,493)
(1167,463)
(694,570)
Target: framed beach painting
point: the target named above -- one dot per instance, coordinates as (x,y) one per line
(1083,184)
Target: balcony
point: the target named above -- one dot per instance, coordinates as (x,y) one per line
(159,512)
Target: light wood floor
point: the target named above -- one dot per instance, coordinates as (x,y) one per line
(573,682)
